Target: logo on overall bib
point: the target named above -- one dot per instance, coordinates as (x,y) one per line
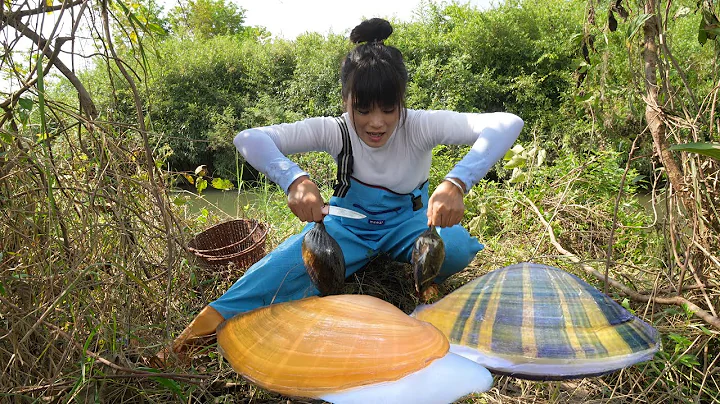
(377,222)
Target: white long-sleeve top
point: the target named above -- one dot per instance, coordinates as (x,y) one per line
(401,164)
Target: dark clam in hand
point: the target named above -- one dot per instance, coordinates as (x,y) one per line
(324,260)
(427,258)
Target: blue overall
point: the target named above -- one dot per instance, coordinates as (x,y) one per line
(392,226)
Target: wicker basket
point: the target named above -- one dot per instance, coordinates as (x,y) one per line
(240,241)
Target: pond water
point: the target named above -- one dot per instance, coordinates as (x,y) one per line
(656,207)
(227,204)
(231,202)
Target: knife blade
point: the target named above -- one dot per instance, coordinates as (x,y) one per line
(338,211)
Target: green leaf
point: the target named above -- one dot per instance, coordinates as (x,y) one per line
(180,201)
(626,304)
(219,183)
(2,289)
(516,161)
(576,39)
(689,360)
(24,116)
(585,98)
(156,28)
(688,313)
(201,184)
(90,338)
(541,156)
(203,216)
(580,65)
(137,280)
(517,149)
(705,148)
(26,106)
(637,23)
(518,176)
(6,137)
(702,34)
(681,341)
(705,330)
(170,384)
(26,103)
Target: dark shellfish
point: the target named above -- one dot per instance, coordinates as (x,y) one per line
(427,258)
(537,322)
(324,260)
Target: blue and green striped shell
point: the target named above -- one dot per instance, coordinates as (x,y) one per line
(537,322)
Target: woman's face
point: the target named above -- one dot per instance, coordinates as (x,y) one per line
(374,125)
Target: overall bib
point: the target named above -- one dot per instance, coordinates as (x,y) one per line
(393,223)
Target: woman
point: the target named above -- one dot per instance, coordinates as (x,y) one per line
(383,151)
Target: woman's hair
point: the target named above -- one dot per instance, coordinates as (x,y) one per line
(374,73)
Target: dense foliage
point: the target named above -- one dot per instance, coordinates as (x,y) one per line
(453,57)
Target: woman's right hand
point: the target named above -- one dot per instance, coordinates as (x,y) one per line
(305,201)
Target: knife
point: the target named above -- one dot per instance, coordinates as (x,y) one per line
(338,211)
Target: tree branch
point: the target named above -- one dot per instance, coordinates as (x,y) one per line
(86,102)
(654,115)
(42,9)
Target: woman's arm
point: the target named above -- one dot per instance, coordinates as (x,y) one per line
(496,133)
(493,135)
(258,149)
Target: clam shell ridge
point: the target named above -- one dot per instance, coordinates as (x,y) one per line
(310,347)
(538,322)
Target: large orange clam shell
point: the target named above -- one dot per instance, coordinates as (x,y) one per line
(314,346)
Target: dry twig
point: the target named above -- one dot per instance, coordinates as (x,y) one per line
(632,294)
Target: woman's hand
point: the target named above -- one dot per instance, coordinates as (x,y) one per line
(304,200)
(446,207)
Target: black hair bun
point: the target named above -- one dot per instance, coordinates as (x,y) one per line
(374,29)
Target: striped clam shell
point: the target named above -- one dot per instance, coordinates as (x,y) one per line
(537,322)
(321,345)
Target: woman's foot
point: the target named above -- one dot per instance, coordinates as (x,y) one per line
(199,334)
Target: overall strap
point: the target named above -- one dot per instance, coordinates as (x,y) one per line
(344,161)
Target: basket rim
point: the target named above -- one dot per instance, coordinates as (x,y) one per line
(257,224)
(258,243)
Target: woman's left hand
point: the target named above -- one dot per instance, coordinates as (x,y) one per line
(446,207)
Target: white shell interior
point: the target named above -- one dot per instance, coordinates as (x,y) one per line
(443,381)
(566,369)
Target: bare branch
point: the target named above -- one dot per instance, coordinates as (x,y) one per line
(86,102)
(42,9)
(634,295)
